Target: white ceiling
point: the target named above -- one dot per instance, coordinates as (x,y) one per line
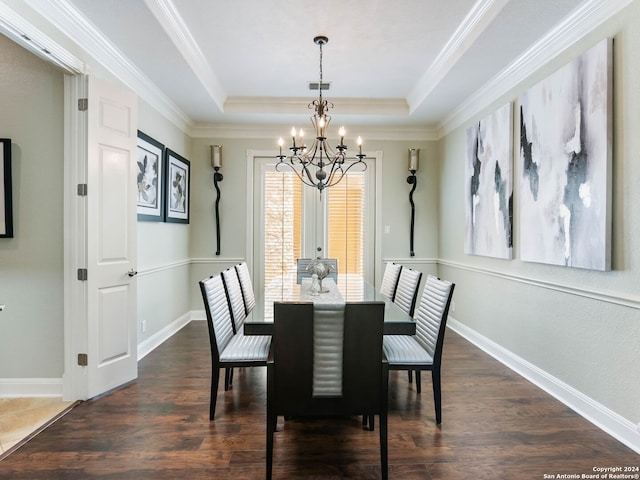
(405,63)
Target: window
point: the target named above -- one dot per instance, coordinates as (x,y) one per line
(292,222)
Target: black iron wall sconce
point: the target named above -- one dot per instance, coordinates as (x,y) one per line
(216,163)
(414,154)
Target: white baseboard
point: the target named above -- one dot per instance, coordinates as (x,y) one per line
(30,387)
(154,341)
(610,422)
(52,387)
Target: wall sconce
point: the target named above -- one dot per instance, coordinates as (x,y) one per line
(216,163)
(414,156)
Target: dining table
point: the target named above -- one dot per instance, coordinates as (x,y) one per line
(346,288)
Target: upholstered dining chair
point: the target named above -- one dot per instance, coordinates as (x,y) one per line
(228,349)
(234,297)
(247,286)
(407,290)
(423,351)
(390,280)
(299,379)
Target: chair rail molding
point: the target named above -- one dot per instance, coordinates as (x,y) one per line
(630,301)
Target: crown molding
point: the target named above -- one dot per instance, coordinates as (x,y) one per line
(254,131)
(582,21)
(169,18)
(67,19)
(478,19)
(295,105)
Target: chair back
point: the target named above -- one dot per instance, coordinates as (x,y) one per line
(298,354)
(407,290)
(218,318)
(247,287)
(234,297)
(390,280)
(431,315)
(303,263)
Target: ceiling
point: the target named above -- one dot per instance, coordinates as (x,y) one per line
(405,63)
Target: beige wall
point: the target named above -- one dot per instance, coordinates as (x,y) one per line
(163,248)
(582,327)
(234,195)
(31,263)
(571,323)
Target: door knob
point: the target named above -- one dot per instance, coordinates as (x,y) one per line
(132,272)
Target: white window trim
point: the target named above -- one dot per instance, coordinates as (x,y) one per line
(376,156)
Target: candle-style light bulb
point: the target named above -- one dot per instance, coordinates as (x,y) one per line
(413,159)
(293,136)
(341,133)
(280,144)
(359,142)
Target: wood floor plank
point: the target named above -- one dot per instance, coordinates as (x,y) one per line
(495,425)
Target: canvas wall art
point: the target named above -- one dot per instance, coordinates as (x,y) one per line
(489,185)
(150,179)
(178,183)
(6,204)
(565,164)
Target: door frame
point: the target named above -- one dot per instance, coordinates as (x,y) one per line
(74,380)
(376,156)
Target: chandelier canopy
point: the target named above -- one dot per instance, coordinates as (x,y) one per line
(319,165)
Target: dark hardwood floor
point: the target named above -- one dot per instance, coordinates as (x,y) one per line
(495,426)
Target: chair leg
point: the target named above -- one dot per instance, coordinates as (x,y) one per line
(418,382)
(410,375)
(231,377)
(383,445)
(215,380)
(271,427)
(372,422)
(227,378)
(437,394)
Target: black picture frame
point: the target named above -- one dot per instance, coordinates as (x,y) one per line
(178,189)
(150,180)
(6,205)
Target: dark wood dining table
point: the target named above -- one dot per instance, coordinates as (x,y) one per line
(351,288)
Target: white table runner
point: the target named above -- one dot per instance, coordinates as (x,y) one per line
(328,332)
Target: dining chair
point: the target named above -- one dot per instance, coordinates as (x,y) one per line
(298,383)
(303,263)
(233,290)
(228,349)
(407,290)
(390,280)
(423,351)
(248,294)
(237,307)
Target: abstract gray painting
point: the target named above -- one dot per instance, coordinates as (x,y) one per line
(565,164)
(489,186)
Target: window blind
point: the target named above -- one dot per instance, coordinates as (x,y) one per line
(346,223)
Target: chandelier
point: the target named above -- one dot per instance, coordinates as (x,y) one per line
(319,165)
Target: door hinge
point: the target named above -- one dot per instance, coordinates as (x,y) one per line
(83,274)
(83,359)
(82,189)
(83,104)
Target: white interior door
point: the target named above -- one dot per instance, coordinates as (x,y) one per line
(111,236)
